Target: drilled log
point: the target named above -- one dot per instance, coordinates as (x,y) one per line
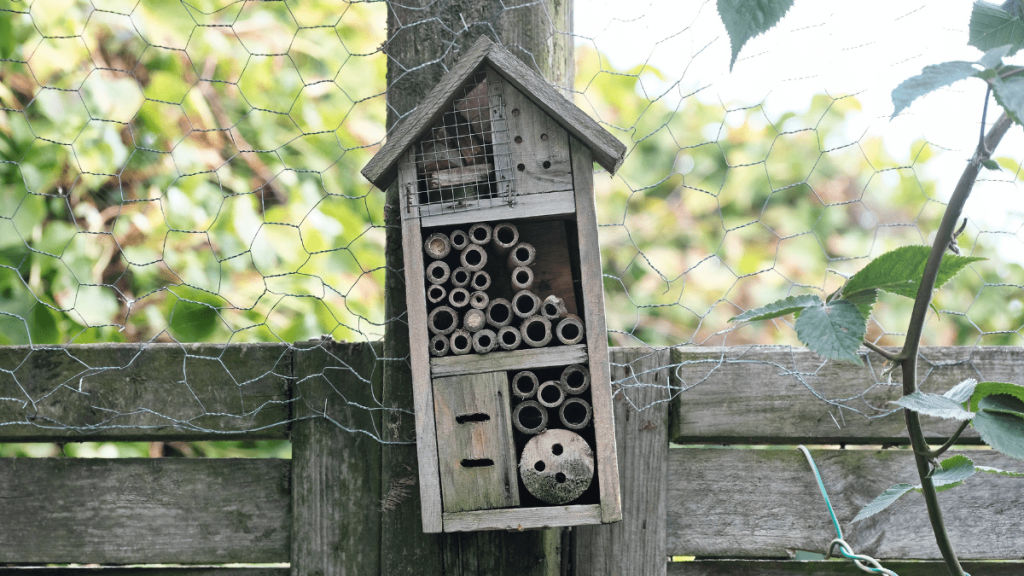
(522,254)
(504,237)
(509,338)
(461,342)
(461,277)
(525,384)
(569,330)
(438,272)
(499,313)
(575,379)
(557,466)
(529,417)
(553,308)
(550,394)
(479,300)
(442,320)
(522,278)
(436,294)
(485,341)
(438,345)
(473,257)
(437,245)
(459,176)
(575,413)
(458,297)
(480,233)
(481,281)
(474,320)
(526,304)
(459,239)
(536,331)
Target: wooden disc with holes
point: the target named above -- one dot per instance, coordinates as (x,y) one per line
(557,466)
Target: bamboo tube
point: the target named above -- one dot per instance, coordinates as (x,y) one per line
(575,413)
(484,341)
(522,254)
(438,272)
(479,300)
(436,293)
(473,258)
(481,281)
(550,394)
(536,331)
(459,297)
(461,342)
(499,313)
(504,237)
(509,338)
(480,233)
(569,330)
(442,320)
(557,466)
(474,320)
(438,345)
(552,308)
(575,379)
(525,304)
(529,417)
(522,278)
(437,245)
(525,384)
(461,277)
(459,239)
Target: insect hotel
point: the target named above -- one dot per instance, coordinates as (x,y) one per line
(505,304)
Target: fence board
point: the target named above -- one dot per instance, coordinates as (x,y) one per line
(132,511)
(144,571)
(636,545)
(746,395)
(147,392)
(838,568)
(765,503)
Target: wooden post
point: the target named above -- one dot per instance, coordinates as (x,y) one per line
(420,32)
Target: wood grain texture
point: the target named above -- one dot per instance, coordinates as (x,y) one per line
(836,567)
(145,571)
(501,143)
(591,280)
(519,518)
(765,503)
(635,546)
(530,206)
(336,472)
(537,141)
(145,392)
(771,394)
(134,511)
(552,269)
(522,359)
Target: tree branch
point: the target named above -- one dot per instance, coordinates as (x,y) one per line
(881,352)
(952,439)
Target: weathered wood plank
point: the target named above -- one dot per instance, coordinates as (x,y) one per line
(134,511)
(635,546)
(540,148)
(592,283)
(516,518)
(529,206)
(837,567)
(748,394)
(143,571)
(522,359)
(149,392)
(765,503)
(550,271)
(336,472)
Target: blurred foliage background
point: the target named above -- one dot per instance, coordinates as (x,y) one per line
(177,171)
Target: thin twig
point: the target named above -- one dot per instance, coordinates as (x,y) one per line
(952,439)
(881,352)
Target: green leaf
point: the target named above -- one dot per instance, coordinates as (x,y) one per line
(934,405)
(1003,404)
(951,473)
(883,501)
(833,330)
(1009,93)
(994,57)
(7,38)
(900,271)
(1000,422)
(746,19)
(864,301)
(993,26)
(931,78)
(42,325)
(984,389)
(962,391)
(778,308)
(991,164)
(192,321)
(989,470)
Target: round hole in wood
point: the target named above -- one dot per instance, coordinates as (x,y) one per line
(461,342)
(551,395)
(519,139)
(575,379)
(485,340)
(523,277)
(460,277)
(546,164)
(500,312)
(437,272)
(556,449)
(575,413)
(458,297)
(550,310)
(480,282)
(544,137)
(569,332)
(509,338)
(505,234)
(521,167)
(539,466)
(438,345)
(524,304)
(522,254)
(515,111)
(535,330)
(444,320)
(530,417)
(480,234)
(560,478)
(473,258)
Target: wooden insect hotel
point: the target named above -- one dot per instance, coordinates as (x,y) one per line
(503,281)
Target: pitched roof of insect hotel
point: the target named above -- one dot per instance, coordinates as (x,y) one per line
(383,167)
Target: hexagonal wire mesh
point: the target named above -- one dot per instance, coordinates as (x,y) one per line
(189,171)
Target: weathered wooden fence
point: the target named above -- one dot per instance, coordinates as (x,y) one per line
(337,507)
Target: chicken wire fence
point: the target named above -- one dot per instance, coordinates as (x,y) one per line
(188,171)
